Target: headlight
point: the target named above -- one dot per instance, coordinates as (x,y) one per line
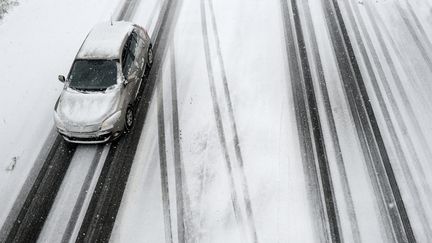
(59,123)
(110,121)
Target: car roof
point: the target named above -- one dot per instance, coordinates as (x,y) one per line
(105,40)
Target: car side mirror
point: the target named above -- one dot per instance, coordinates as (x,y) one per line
(61,78)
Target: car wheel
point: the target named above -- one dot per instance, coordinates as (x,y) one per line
(129,119)
(149,60)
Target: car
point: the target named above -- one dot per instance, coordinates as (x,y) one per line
(97,103)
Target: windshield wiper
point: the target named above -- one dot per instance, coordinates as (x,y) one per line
(88,89)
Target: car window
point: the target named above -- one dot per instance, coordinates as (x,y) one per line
(93,74)
(128,57)
(127,62)
(133,44)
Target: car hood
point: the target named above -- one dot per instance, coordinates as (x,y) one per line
(76,108)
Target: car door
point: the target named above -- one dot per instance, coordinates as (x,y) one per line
(129,71)
(134,75)
(141,53)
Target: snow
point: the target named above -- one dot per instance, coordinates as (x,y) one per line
(105,40)
(78,109)
(216,186)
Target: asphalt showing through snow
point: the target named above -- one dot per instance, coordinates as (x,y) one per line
(315,160)
(38,203)
(322,83)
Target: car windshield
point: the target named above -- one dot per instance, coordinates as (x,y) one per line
(93,75)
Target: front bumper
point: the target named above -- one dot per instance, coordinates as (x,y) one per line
(88,137)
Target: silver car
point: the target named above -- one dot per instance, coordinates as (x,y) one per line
(97,101)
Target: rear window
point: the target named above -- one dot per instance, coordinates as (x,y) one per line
(93,75)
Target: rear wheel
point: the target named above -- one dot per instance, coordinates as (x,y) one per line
(129,119)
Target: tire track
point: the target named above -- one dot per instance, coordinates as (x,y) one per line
(314,157)
(333,131)
(128,9)
(417,23)
(396,221)
(163,163)
(423,46)
(415,194)
(184,225)
(218,117)
(227,95)
(40,199)
(82,196)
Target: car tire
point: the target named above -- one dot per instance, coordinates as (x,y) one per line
(149,60)
(129,119)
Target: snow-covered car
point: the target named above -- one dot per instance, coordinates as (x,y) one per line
(97,101)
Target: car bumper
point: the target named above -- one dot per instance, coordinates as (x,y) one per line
(89,137)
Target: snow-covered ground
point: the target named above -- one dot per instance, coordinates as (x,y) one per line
(219,159)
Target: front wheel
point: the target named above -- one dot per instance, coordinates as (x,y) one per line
(129,119)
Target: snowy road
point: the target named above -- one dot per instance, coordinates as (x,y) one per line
(275,121)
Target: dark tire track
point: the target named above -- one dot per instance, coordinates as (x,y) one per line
(396,220)
(314,155)
(82,196)
(163,163)
(102,211)
(183,235)
(236,140)
(40,199)
(332,126)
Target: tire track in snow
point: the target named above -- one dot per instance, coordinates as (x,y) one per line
(40,199)
(420,29)
(185,227)
(127,10)
(218,117)
(236,140)
(163,163)
(332,126)
(178,163)
(413,190)
(313,151)
(396,221)
(423,46)
(82,196)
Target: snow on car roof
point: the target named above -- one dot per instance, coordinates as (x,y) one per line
(105,41)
